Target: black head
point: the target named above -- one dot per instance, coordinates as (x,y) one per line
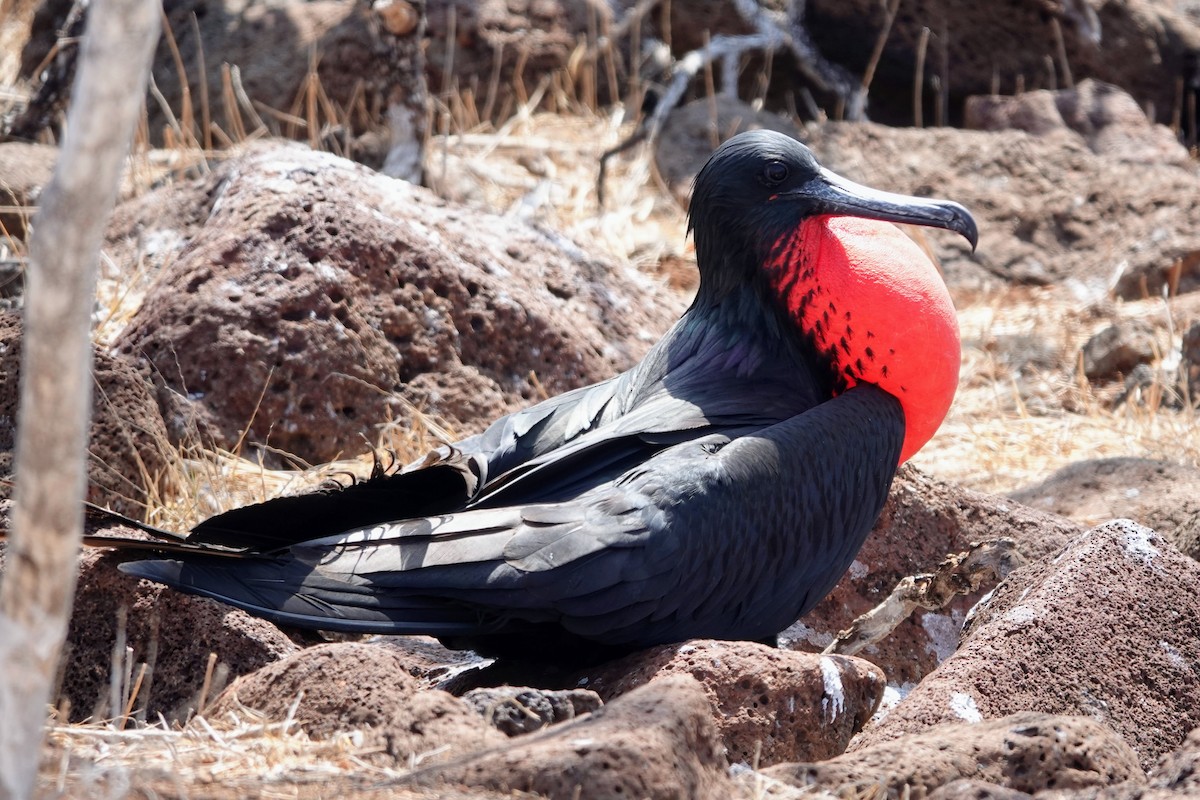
(759,185)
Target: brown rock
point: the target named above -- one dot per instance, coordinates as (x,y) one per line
(317,292)
(1176,775)
(354,686)
(1025,752)
(172,633)
(153,229)
(370,74)
(658,742)
(1033,112)
(1180,771)
(1143,46)
(1108,119)
(499,45)
(695,23)
(25,169)
(1161,495)
(516,710)
(1049,210)
(1106,629)
(924,520)
(1114,351)
(773,705)
(974,789)
(127,440)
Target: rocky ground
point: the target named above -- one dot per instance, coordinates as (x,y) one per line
(270,310)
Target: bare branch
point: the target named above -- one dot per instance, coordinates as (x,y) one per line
(773,30)
(788,27)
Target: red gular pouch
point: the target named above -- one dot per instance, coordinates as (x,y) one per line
(878,310)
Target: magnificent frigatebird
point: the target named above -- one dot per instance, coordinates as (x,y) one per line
(717,489)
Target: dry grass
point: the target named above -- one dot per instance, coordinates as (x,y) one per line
(239,756)
(203,482)
(542,168)
(1023,410)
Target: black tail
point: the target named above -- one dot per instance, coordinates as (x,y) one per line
(284,521)
(287,591)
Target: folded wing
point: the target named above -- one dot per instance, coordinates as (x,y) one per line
(720,536)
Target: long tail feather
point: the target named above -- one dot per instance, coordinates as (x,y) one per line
(287,592)
(285,521)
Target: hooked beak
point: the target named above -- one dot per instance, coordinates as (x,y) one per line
(829,193)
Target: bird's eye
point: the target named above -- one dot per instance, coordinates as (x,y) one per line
(775,173)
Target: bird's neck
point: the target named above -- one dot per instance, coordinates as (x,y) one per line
(741,303)
(737,339)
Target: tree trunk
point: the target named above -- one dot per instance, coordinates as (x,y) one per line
(35,597)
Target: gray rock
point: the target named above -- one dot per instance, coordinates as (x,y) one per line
(772,705)
(1161,495)
(352,686)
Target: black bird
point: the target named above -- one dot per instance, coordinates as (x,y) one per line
(717,489)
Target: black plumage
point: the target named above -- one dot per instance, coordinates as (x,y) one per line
(718,489)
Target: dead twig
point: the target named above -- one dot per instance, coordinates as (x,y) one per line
(773,31)
(961,573)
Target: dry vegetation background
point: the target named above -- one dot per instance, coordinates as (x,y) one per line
(1011,424)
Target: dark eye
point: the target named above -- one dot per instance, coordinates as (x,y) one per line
(775,172)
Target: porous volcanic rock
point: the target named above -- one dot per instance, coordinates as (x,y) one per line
(172,633)
(150,231)
(658,742)
(1143,46)
(1025,752)
(924,520)
(491,47)
(1049,209)
(1179,771)
(1176,775)
(354,686)
(319,299)
(1108,628)
(1161,495)
(127,439)
(772,705)
(517,710)
(974,789)
(1108,119)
